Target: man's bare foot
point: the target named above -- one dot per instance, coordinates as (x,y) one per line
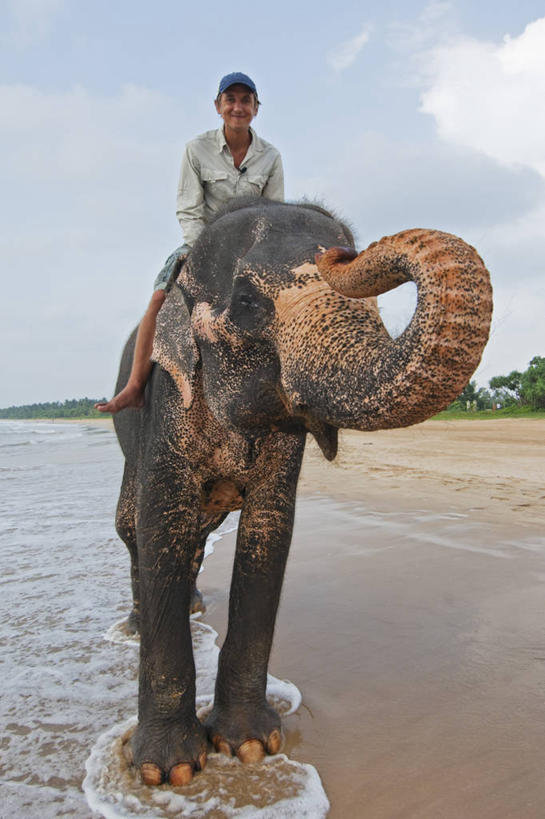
(130,396)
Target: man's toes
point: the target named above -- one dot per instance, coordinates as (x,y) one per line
(274,742)
(251,751)
(180,775)
(221,745)
(151,774)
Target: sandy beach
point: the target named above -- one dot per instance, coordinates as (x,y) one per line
(412,621)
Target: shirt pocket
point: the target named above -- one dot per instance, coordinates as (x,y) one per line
(216,183)
(255,182)
(210,175)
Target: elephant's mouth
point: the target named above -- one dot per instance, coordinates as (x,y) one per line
(299,415)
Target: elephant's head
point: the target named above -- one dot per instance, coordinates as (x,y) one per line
(281,313)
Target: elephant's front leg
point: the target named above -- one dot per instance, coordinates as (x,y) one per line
(241,721)
(169,743)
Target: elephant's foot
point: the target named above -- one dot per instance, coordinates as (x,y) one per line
(197,602)
(249,731)
(170,752)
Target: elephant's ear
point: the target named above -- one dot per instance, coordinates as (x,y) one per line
(174,347)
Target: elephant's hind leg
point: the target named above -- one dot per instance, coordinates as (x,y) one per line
(126,529)
(208,524)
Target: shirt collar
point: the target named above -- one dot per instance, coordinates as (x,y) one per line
(256,145)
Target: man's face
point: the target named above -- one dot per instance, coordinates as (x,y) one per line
(237,107)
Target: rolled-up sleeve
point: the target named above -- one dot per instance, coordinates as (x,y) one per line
(274,189)
(190,199)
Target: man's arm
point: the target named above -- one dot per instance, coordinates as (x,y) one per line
(274,187)
(190,199)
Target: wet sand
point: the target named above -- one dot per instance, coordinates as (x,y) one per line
(412,620)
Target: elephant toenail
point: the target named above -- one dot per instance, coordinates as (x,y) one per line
(151,774)
(202,761)
(180,775)
(274,742)
(222,746)
(251,751)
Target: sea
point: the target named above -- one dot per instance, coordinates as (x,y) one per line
(69,670)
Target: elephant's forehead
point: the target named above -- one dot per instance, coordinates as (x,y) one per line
(305,271)
(273,280)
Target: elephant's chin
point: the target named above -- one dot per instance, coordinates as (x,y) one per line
(326,436)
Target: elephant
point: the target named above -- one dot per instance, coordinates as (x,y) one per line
(270,330)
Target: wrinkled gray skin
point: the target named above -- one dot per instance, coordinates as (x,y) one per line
(258,343)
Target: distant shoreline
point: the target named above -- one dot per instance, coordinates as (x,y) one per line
(105,421)
(485,415)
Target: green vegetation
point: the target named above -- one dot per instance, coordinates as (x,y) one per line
(73,408)
(454,413)
(520,395)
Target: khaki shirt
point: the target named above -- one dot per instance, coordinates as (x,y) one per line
(208,178)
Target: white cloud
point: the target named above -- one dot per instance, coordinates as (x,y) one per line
(88,164)
(346,53)
(435,22)
(72,135)
(29,21)
(386,184)
(87,222)
(489,97)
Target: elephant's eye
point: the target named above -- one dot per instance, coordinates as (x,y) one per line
(246,300)
(250,309)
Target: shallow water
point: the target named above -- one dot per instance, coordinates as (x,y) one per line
(412,623)
(69,678)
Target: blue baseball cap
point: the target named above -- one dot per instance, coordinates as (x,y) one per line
(236,78)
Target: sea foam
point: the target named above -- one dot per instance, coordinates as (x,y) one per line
(65,577)
(276,787)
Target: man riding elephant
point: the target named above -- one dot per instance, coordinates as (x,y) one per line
(216,166)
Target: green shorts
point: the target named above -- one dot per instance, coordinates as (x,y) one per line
(162,280)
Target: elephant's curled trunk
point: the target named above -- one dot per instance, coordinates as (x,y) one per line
(377,382)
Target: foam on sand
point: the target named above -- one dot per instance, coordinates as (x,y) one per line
(276,787)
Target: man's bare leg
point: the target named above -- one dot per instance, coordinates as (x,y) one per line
(132,395)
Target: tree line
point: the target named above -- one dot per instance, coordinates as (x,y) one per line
(71,408)
(526,389)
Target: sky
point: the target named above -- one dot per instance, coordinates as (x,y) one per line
(395,114)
